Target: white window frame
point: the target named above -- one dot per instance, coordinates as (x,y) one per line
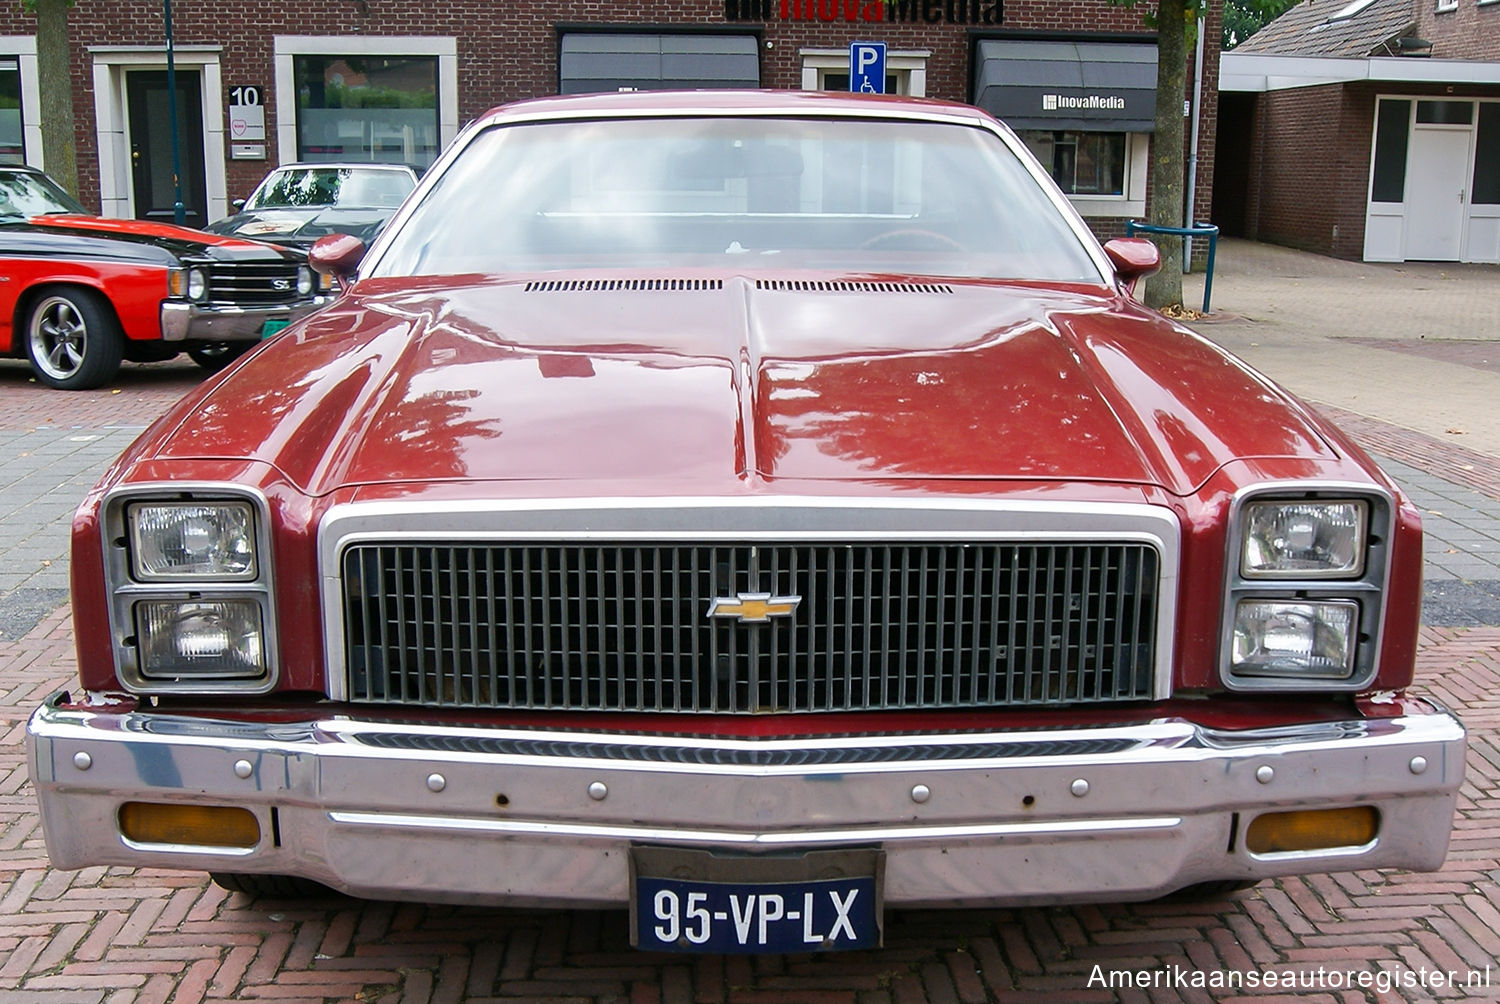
(284,47)
(23,48)
(1132,200)
(1446,6)
(909,66)
(112,121)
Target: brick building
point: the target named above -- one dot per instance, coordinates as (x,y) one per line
(259,85)
(1366,129)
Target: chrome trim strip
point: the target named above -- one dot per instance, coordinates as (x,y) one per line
(124,590)
(787,518)
(750,838)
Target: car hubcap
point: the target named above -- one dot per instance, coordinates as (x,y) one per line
(59,338)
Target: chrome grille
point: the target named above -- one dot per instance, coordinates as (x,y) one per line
(624,627)
(257,283)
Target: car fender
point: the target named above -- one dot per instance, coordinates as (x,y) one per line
(134,291)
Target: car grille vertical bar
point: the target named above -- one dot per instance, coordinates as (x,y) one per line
(623,626)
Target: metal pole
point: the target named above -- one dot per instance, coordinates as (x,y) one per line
(1192,184)
(179,212)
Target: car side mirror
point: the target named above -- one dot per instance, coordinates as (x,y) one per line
(237,205)
(337,255)
(1133,258)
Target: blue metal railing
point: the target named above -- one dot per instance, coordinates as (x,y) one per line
(1206,229)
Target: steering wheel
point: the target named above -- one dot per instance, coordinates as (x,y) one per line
(913,239)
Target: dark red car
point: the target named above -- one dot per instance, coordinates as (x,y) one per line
(81,292)
(757,510)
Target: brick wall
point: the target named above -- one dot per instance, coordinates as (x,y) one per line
(1469,31)
(508,52)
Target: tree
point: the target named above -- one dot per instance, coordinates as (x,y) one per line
(1175,22)
(54,70)
(1243,18)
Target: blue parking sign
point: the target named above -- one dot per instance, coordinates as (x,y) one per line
(867,67)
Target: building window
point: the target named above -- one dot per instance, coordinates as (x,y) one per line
(1443,6)
(828,70)
(387,99)
(1082,163)
(375,108)
(1486,183)
(12,134)
(1392,134)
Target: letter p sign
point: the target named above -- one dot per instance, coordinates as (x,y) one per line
(867,67)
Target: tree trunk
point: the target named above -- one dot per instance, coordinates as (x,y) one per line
(1165,287)
(54,70)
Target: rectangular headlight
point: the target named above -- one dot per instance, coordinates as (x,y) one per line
(1304,539)
(1304,639)
(190,540)
(195,639)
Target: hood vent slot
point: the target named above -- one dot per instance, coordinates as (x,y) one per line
(849,286)
(618,285)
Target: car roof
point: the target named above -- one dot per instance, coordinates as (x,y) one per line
(831,104)
(342,165)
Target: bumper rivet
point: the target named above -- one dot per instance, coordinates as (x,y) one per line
(921,793)
(436,782)
(597,791)
(242,769)
(1264,774)
(1079,788)
(82,760)
(1418,764)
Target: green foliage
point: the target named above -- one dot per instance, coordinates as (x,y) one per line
(1243,18)
(346,96)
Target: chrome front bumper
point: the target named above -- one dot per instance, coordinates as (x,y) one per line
(210,322)
(534,817)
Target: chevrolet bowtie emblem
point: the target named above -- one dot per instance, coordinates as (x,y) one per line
(753,608)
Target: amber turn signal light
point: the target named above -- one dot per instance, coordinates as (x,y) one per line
(199,825)
(1312,830)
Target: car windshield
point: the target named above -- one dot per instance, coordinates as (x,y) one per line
(23,194)
(882,196)
(345,187)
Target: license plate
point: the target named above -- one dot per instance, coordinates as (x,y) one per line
(271,327)
(695,904)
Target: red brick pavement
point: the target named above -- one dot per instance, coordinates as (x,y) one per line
(141,392)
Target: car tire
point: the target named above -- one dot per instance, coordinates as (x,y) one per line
(73,339)
(270,886)
(214,356)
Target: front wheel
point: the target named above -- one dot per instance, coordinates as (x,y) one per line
(74,340)
(214,356)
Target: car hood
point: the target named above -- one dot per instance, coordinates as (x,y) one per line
(181,242)
(303,226)
(728,378)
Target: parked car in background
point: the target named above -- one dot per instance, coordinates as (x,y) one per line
(756,509)
(298,203)
(79,292)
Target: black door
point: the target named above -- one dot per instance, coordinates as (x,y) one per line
(151,145)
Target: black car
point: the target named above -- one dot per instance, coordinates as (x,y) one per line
(298,203)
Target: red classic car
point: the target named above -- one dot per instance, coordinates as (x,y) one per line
(757,509)
(81,293)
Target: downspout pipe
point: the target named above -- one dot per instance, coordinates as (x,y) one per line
(1192,177)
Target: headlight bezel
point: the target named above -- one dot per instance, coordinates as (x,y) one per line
(1364,589)
(128,591)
